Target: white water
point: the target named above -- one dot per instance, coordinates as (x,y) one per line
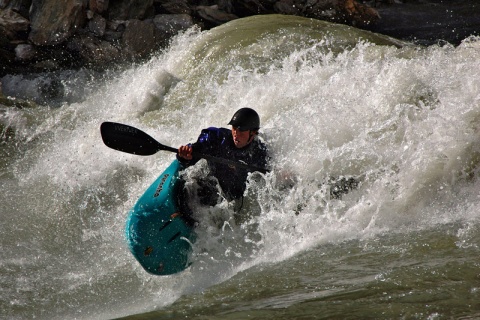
(404,120)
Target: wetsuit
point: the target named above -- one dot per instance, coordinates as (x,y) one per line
(219,142)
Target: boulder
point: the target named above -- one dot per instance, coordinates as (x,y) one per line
(245,8)
(139,39)
(93,50)
(53,21)
(97,25)
(13,26)
(25,52)
(98,6)
(131,9)
(213,16)
(19,6)
(357,14)
(169,25)
(288,7)
(173,6)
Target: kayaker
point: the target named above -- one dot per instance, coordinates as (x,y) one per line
(240,144)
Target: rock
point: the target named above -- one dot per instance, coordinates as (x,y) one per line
(90,14)
(245,8)
(287,7)
(322,10)
(214,16)
(139,39)
(46,65)
(173,6)
(53,21)
(348,12)
(19,6)
(131,9)
(12,25)
(226,5)
(112,36)
(93,50)
(25,52)
(116,25)
(97,25)
(357,14)
(171,24)
(98,6)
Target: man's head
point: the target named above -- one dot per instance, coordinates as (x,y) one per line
(245,124)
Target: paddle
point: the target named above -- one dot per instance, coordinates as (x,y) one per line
(128,139)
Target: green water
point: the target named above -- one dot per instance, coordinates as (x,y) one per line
(333,101)
(431,274)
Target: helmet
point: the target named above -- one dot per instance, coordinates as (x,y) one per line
(245,119)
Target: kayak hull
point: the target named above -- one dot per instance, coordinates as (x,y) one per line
(157,236)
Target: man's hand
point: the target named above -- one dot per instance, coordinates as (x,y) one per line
(185,152)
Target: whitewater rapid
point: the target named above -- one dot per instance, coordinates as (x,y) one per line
(333,101)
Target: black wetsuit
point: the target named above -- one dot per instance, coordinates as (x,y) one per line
(219,142)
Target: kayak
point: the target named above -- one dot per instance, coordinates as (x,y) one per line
(157,236)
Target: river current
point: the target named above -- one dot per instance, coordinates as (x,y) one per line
(334,101)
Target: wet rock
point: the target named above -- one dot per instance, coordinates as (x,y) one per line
(20,6)
(170,24)
(244,8)
(287,7)
(98,6)
(214,16)
(25,52)
(112,36)
(116,25)
(53,21)
(92,50)
(46,65)
(13,25)
(97,25)
(357,14)
(131,29)
(173,7)
(139,38)
(131,9)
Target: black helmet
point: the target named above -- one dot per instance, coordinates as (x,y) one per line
(246,119)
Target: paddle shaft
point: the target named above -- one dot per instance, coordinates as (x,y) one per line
(131,140)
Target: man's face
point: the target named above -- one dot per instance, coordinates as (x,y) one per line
(241,138)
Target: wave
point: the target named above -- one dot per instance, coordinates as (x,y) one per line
(334,101)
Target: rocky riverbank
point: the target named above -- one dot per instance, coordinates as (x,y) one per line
(50,34)
(39,36)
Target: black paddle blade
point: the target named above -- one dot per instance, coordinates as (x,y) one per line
(128,139)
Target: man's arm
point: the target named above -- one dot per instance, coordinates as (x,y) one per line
(204,141)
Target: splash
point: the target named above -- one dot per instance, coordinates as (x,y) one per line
(334,101)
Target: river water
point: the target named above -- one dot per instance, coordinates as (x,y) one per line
(334,101)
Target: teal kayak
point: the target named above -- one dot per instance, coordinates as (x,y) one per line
(157,236)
